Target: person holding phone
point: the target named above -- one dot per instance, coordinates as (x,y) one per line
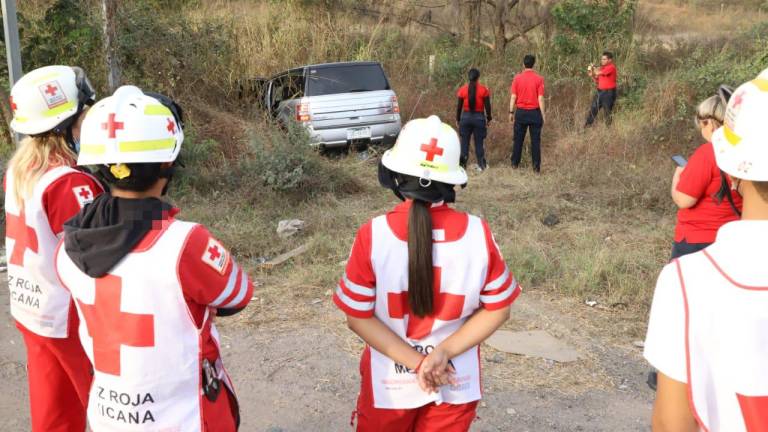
(699,189)
(707,328)
(605,79)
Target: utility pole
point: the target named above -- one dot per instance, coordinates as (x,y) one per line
(12,53)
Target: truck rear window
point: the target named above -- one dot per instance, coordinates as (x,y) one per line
(346,79)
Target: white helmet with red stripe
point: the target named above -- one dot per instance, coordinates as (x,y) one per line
(427,149)
(47,97)
(741,144)
(129,127)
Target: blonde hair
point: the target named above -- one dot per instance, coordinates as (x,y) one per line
(36,155)
(711,108)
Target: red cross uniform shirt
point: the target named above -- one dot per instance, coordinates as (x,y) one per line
(209,277)
(469,274)
(32,231)
(157,304)
(708,325)
(66,196)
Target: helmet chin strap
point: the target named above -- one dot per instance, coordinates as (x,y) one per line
(409,187)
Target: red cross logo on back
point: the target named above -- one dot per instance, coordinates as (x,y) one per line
(111,328)
(24,237)
(13,104)
(51,90)
(447,307)
(432,149)
(85,193)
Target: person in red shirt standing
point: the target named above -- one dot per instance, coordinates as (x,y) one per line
(425,285)
(700,190)
(148,286)
(42,191)
(605,78)
(473,99)
(526,111)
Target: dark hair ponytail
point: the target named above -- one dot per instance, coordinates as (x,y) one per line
(474,75)
(420,272)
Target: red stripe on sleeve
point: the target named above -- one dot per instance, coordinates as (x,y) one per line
(351,311)
(355,296)
(504,303)
(500,290)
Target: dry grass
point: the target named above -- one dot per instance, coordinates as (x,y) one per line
(700,18)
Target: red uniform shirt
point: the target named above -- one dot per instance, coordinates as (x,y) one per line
(66,196)
(528,86)
(701,179)
(360,269)
(606,78)
(480,96)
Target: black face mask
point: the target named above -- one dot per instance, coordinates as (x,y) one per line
(410,187)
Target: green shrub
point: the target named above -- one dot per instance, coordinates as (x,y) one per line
(286,162)
(586,27)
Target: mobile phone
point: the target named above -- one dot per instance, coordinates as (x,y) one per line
(679,160)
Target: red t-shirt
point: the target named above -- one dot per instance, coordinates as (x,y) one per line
(528,86)
(701,179)
(606,78)
(480,96)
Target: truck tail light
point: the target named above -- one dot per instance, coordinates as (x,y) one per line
(395,106)
(302,112)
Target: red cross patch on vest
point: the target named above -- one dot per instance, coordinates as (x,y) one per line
(83,194)
(216,256)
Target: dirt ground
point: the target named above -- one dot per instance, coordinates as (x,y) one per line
(298,374)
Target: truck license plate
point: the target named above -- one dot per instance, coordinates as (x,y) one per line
(358,133)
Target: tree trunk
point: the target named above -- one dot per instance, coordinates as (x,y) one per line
(109,9)
(499,29)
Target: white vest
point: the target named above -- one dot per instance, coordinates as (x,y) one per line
(463,266)
(38,301)
(141,339)
(726,343)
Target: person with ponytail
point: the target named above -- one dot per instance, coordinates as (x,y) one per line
(424,286)
(473,113)
(42,191)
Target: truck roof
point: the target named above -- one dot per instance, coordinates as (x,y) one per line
(326,65)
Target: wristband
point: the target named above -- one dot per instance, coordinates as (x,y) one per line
(418,366)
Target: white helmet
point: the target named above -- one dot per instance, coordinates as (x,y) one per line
(129,127)
(47,97)
(741,145)
(427,149)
